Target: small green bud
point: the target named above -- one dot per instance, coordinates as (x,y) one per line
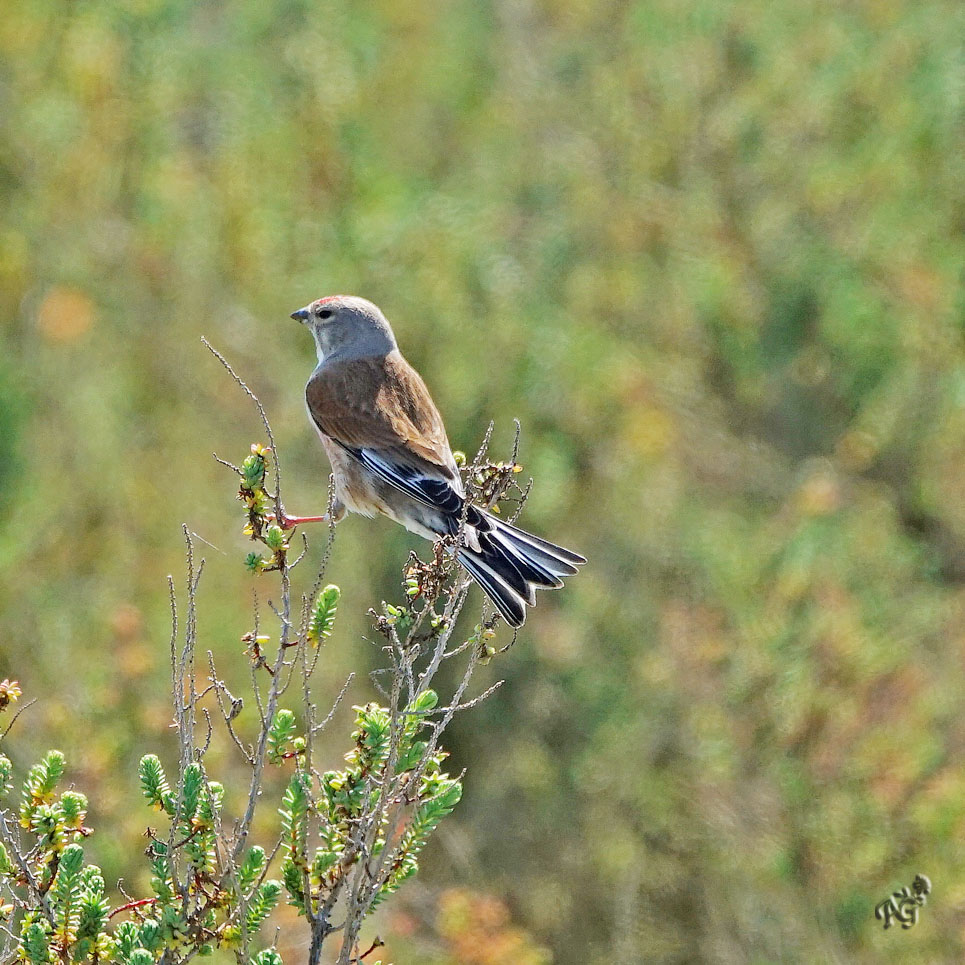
(425,701)
(6,768)
(323,862)
(73,808)
(410,758)
(212,800)
(6,865)
(255,563)
(71,861)
(253,468)
(275,538)
(42,778)
(125,939)
(268,957)
(280,735)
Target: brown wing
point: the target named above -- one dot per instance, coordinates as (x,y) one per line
(380,404)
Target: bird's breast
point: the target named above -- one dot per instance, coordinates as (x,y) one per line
(354,487)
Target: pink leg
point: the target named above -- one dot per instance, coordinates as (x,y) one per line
(290,522)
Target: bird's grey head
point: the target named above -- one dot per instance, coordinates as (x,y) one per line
(346,327)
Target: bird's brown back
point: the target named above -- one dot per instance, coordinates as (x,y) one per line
(378,403)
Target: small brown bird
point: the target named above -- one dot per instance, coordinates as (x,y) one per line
(388,448)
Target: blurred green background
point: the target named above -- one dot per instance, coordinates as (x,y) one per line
(710,253)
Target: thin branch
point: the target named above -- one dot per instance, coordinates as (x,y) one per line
(228,465)
(264,418)
(13,849)
(328,717)
(236,705)
(13,720)
(131,905)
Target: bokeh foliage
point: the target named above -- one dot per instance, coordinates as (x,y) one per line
(710,253)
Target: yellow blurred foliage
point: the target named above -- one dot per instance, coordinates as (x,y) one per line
(65,314)
(478,931)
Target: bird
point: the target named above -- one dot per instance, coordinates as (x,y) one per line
(390,455)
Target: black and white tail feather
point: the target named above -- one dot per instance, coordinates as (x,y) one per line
(507,562)
(511,565)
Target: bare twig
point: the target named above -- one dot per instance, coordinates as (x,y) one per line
(13,720)
(261,411)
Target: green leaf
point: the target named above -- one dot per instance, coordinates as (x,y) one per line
(294,813)
(253,471)
(153,782)
(371,736)
(73,809)
(94,907)
(149,934)
(161,882)
(212,801)
(35,944)
(410,756)
(426,819)
(292,876)
(6,865)
(323,614)
(268,957)
(52,770)
(191,790)
(262,903)
(201,852)
(280,735)
(125,939)
(415,713)
(38,788)
(425,702)
(344,793)
(6,769)
(255,562)
(65,892)
(251,868)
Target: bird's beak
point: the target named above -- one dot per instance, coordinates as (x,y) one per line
(301,315)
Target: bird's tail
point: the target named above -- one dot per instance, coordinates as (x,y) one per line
(511,565)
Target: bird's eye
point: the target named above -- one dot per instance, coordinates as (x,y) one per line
(325,313)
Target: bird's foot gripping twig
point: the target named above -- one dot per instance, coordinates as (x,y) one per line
(287,522)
